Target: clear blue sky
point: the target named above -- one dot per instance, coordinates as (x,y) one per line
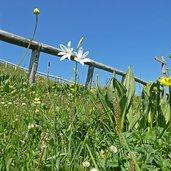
(117,33)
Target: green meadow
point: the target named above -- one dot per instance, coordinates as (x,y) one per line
(52,126)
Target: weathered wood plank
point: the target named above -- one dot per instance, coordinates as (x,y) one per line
(21,41)
(89,77)
(33,66)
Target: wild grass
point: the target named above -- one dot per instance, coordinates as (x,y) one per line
(44,127)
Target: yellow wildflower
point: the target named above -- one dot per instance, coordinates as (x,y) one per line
(72,89)
(165,81)
(53,87)
(11,87)
(36,11)
(36,99)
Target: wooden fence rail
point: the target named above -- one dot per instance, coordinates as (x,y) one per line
(38,47)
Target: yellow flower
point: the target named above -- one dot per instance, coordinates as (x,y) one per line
(36,99)
(11,87)
(53,87)
(72,89)
(165,81)
(36,11)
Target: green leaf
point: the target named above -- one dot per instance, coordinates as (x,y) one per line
(115,90)
(113,163)
(129,83)
(133,117)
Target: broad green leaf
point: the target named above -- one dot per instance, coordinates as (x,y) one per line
(165,108)
(133,116)
(129,83)
(115,90)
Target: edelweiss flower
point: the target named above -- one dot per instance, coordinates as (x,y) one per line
(81,57)
(66,51)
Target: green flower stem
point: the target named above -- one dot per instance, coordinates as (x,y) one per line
(92,158)
(33,35)
(26,51)
(75,85)
(170,112)
(76,76)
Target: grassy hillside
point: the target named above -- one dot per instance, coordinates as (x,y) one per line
(50,126)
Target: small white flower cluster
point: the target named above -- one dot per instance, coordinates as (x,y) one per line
(37,111)
(9,103)
(30,126)
(23,104)
(37,102)
(86,164)
(66,52)
(113,149)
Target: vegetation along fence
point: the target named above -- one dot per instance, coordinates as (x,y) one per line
(38,47)
(50,76)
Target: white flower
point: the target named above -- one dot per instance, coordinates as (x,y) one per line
(113,149)
(93,169)
(37,111)
(61,134)
(66,51)
(81,57)
(102,152)
(86,164)
(37,102)
(30,126)
(23,104)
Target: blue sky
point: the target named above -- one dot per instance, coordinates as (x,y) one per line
(118,33)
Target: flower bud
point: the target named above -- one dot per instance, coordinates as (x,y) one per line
(36,11)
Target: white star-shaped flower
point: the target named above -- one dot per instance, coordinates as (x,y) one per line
(81,57)
(66,51)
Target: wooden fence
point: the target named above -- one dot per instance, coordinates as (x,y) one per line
(38,47)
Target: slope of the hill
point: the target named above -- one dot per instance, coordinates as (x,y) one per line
(50,126)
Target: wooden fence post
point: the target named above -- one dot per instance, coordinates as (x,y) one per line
(33,65)
(89,77)
(163,67)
